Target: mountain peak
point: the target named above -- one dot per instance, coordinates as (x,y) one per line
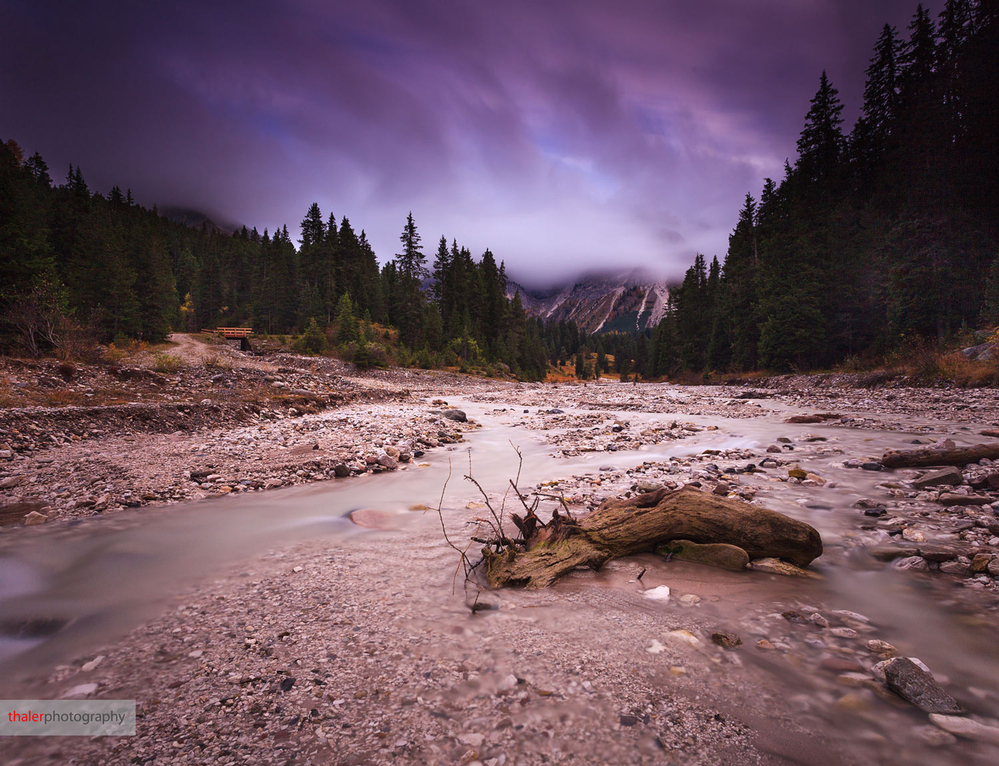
(600,301)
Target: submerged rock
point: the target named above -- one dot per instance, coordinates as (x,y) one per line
(912,683)
(951,476)
(776,566)
(719,555)
(660,593)
(965,727)
(917,563)
(726,640)
(949,499)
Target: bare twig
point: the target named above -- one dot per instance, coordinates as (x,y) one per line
(560,497)
(498,526)
(520,463)
(523,500)
(463,560)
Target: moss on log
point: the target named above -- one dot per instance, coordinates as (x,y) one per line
(622,527)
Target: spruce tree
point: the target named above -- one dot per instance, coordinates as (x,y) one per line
(821,142)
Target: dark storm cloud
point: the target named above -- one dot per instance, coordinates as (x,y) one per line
(563,135)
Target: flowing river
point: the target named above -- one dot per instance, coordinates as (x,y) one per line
(72,589)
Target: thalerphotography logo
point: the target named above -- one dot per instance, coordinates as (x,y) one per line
(67,718)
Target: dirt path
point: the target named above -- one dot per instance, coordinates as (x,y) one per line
(192,350)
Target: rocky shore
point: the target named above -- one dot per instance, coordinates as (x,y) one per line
(199,432)
(360,651)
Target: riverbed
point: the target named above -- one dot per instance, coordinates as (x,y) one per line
(269,627)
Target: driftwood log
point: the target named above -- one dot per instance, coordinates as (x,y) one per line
(617,528)
(924,458)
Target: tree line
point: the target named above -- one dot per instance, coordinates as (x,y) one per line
(872,241)
(74,262)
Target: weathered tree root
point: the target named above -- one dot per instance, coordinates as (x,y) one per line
(617,528)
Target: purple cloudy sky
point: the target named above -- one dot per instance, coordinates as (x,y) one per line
(565,135)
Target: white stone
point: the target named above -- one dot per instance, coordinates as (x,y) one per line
(848,615)
(83,690)
(684,637)
(660,593)
(88,666)
(965,727)
(819,620)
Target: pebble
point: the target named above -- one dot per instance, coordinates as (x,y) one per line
(846,614)
(881,647)
(934,737)
(726,640)
(656,648)
(684,637)
(765,645)
(954,567)
(795,617)
(776,566)
(915,563)
(819,620)
(83,690)
(34,518)
(966,727)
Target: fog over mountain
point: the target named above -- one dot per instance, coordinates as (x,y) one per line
(599,301)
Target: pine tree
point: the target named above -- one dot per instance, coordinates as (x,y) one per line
(821,142)
(410,264)
(411,261)
(872,135)
(346,322)
(955,33)
(442,267)
(741,272)
(39,170)
(493,301)
(312,256)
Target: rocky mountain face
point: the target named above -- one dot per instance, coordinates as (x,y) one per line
(195,219)
(600,303)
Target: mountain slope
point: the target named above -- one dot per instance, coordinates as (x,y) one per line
(600,302)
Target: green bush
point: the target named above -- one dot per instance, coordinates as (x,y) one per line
(365,355)
(424,360)
(166,363)
(313,340)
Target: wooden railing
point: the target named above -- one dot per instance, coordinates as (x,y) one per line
(231,332)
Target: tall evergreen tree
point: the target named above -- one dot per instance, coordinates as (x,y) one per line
(821,142)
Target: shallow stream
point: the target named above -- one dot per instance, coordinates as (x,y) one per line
(72,589)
